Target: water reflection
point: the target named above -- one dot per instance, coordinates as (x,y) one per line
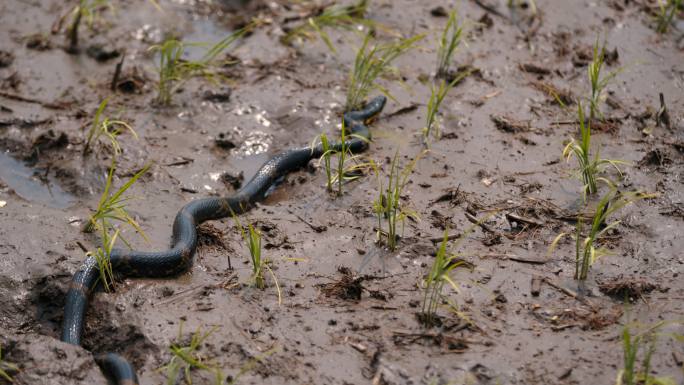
(23,181)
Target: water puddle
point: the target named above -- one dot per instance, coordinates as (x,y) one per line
(22,180)
(206,32)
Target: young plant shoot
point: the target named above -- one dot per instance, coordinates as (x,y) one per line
(103,126)
(589,167)
(587,243)
(435,280)
(252,238)
(388,205)
(334,16)
(448,44)
(174,70)
(371,63)
(112,206)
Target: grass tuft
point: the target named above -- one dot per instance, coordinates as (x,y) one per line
(349,166)
(174,70)
(598,83)
(371,63)
(102,256)
(260,265)
(327,152)
(435,280)
(112,206)
(334,16)
(85,10)
(109,128)
(6,368)
(388,205)
(437,95)
(587,249)
(448,43)
(667,9)
(642,345)
(589,167)
(187,358)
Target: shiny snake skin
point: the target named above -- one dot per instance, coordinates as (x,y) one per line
(128,263)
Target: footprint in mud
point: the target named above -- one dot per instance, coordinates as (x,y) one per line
(35,305)
(108,330)
(46,304)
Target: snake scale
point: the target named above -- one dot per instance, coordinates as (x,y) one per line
(178,259)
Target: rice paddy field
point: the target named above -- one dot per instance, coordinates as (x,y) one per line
(517,217)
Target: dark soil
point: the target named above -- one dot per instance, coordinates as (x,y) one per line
(350,308)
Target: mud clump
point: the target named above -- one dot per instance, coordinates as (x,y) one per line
(48,361)
(631,289)
(6,58)
(348,287)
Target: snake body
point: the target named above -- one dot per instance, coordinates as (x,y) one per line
(178,259)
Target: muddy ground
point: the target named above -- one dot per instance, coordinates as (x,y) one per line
(348,313)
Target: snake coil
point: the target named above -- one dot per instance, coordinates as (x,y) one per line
(128,263)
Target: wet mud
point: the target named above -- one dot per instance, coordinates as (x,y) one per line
(349,311)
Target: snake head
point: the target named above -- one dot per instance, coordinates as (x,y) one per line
(369,111)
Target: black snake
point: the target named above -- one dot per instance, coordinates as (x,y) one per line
(129,263)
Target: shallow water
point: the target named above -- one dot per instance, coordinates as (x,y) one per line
(23,181)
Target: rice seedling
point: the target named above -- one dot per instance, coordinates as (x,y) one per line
(435,280)
(251,364)
(598,83)
(587,248)
(448,43)
(85,10)
(372,63)
(589,168)
(667,10)
(341,159)
(186,358)
(635,373)
(252,237)
(327,152)
(437,95)
(103,126)
(389,206)
(7,368)
(349,166)
(334,16)
(174,70)
(103,259)
(112,206)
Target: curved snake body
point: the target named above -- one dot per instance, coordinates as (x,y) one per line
(128,263)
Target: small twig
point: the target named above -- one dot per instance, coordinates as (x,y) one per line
(403,110)
(527,260)
(80,245)
(117,73)
(491,9)
(662,116)
(476,221)
(449,238)
(568,292)
(517,218)
(316,228)
(181,162)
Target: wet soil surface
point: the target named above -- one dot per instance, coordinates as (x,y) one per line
(348,312)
